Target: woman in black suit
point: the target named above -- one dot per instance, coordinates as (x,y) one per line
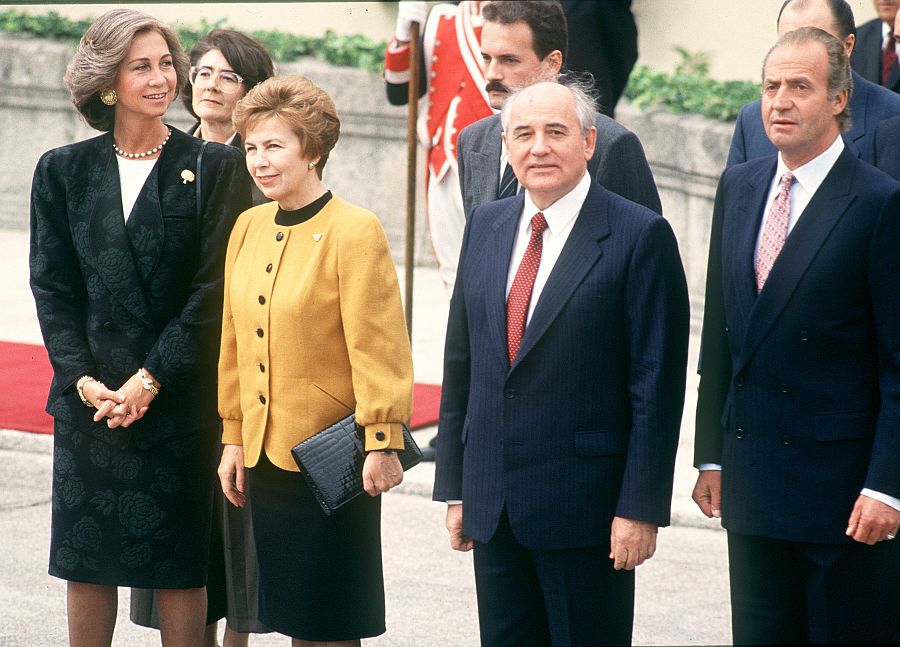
(225,65)
(128,233)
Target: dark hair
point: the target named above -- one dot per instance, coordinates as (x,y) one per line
(245,55)
(545,19)
(841,12)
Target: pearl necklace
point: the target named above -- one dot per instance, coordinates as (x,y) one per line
(152,151)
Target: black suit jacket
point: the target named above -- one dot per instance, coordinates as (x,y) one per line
(112,297)
(866,56)
(799,395)
(584,425)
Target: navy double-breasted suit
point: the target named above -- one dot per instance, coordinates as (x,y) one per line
(584,425)
(799,395)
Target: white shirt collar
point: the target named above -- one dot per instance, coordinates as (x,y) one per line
(811,175)
(561,212)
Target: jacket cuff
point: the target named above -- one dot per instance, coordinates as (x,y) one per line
(384,435)
(231,432)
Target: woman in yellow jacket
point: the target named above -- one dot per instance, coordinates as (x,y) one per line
(313,329)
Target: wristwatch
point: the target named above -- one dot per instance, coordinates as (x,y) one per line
(147,383)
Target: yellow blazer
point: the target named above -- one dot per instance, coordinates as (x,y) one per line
(313,328)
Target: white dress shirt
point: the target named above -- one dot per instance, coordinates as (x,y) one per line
(560,216)
(133,175)
(807,180)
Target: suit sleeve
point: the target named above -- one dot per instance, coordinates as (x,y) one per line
(737,151)
(56,280)
(191,338)
(884,268)
(715,355)
(657,326)
(454,390)
(376,334)
(625,171)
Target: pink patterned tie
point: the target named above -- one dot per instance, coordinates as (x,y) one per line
(775,231)
(523,283)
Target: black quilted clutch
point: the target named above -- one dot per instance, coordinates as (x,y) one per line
(332,461)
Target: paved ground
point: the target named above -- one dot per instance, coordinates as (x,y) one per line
(682,592)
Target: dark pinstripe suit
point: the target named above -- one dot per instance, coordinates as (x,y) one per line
(584,425)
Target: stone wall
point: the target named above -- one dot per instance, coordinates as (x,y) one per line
(368,166)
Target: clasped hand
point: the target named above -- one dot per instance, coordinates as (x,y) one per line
(122,407)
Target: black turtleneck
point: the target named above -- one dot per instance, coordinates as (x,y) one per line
(295,217)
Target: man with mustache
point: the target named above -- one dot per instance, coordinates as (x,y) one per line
(798,409)
(523,43)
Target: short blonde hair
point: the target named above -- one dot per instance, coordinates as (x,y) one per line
(305,107)
(101,51)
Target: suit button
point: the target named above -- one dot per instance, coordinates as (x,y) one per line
(269,267)
(262,399)
(109,326)
(279,236)
(259,332)
(726,330)
(262,367)
(739,380)
(509,394)
(786,441)
(379,435)
(804,335)
(739,433)
(784,388)
(262,300)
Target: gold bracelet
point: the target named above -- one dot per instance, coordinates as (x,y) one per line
(79,386)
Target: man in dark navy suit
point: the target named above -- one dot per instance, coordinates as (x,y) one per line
(798,413)
(886,145)
(564,374)
(869,103)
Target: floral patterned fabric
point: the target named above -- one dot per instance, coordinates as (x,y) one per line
(132,506)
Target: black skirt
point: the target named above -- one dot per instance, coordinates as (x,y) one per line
(320,577)
(127,512)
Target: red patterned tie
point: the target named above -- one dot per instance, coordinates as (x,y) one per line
(523,283)
(775,231)
(888,56)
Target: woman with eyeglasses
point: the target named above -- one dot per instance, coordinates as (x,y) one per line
(225,65)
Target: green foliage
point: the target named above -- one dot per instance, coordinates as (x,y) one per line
(689,89)
(344,50)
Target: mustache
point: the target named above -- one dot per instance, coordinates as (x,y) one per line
(496,86)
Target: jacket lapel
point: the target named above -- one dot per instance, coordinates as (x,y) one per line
(503,231)
(145,226)
(739,242)
(109,240)
(816,222)
(859,112)
(485,164)
(581,252)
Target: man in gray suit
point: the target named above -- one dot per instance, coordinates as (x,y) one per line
(523,43)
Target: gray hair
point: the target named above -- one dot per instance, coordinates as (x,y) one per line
(839,77)
(104,46)
(582,92)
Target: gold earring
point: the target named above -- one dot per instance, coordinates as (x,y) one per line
(109,97)
(311,165)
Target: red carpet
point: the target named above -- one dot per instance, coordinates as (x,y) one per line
(25,379)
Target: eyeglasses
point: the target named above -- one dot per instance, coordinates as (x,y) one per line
(203,77)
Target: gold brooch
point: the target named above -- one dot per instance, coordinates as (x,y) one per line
(187,176)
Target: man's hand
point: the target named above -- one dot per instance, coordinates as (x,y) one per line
(708,493)
(872,521)
(231,474)
(381,472)
(632,542)
(458,540)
